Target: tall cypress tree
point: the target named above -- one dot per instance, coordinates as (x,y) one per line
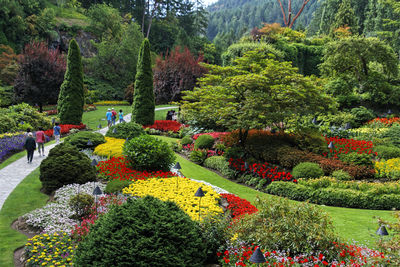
(71,98)
(143,98)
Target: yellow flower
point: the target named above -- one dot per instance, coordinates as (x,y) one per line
(112,148)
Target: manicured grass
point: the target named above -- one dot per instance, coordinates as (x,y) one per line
(351,224)
(93,118)
(24,198)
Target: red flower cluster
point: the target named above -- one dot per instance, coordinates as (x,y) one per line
(386,121)
(263,170)
(165,126)
(51,112)
(117,168)
(215,135)
(345,146)
(238,206)
(65,129)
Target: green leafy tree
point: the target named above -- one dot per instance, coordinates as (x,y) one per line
(345,17)
(143,98)
(253,93)
(71,98)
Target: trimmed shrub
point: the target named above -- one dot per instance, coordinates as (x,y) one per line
(393,134)
(143,232)
(65,165)
(146,153)
(72,97)
(80,139)
(220,164)
(288,157)
(387,152)
(186,140)
(125,130)
(341,175)
(81,204)
(198,156)
(362,115)
(115,186)
(204,141)
(356,159)
(234,152)
(283,228)
(311,141)
(307,170)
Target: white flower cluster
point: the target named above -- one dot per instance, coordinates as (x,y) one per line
(55,216)
(216,188)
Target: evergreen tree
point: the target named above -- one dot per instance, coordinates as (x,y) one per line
(143,98)
(71,98)
(345,17)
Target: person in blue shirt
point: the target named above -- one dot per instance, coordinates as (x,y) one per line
(121,116)
(109,117)
(57,133)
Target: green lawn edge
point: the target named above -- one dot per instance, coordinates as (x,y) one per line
(25,198)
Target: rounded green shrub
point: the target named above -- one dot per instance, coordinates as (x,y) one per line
(387,152)
(147,153)
(81,204)
(198,156)
(341,175)
(286,225)
(307,170)
(115,186)
(186,140)
(362,115)
(143,232)
(65,165)
(125,130)
(80,139)
(357,159)
(204,141)
(234,152)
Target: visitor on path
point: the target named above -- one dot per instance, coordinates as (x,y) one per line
(40,139)
(174,116)
(114,116)
(30,146)
(121,116)
(28,130)
(57,133)
(109,117)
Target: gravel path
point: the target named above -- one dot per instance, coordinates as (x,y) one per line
(15,172)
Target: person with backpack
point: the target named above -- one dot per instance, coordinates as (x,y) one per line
(40,139)
(30,146)
(109,117)
(114,116)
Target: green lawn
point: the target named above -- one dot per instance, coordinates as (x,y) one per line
(162,114)
(351,224)
(24,198)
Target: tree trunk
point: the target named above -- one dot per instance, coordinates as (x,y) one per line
(289,21)
(40,107)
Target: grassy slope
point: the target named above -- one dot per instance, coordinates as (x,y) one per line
(351,224)
(24,198)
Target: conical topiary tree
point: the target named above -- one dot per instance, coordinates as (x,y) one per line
(71,98)
(143,98)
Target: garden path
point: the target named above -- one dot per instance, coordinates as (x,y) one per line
(14,173)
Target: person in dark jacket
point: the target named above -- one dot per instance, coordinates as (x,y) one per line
(30,146)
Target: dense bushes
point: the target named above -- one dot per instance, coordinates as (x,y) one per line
(125,130)
(204,141)
(148,153)
(287,226)
(357,159)
(220,164)
(349,194)
(80,139)
(387,152)
(65,165)
(186,140)
(115,186)
(307,170)
(143,232)
(198,156)
(393,134)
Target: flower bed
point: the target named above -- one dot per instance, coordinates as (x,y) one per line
(10,143)
(117,168)
(345,146)
(238,206)
(388,168)
(165,126)
(384,121)
(215,135)
(65,128)
(181,191)
(263,170)
(111,148)
(348,255)
(112,103)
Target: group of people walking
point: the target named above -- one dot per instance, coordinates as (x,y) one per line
(111,116)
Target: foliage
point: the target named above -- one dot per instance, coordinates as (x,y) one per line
(71,98)
(248,95)
(283,228)
(393,134)
(388,168)
(186,140)
(116,186)
(387,152)
(65,165)
(174,73)
(105,21)
(143,98)
(220,164)
(345,17)
(357,159)
(341,175)
(362,115)
(125,130)
(175,237)
(80,139)
(204,141)
(307,170)
(148,153)
(198,156)
(40,75)
(111,148)
(81,204)
(8,65)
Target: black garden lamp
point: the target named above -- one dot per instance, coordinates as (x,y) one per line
(99,126)
(96,192)
(126,140)
(94,162)
(348,126)
(53,121)
(199,193)
(246,166)
(177,167)
(314,121)
(89,143)
(22,122)
(257,256)
(114,130)
(389,112)
(382,231)
(331,145)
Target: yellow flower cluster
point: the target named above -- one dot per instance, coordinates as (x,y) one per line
(369,133)
(112,102)
(50,250)
(181,191)
(10,134)
(389,168)
(111,148)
